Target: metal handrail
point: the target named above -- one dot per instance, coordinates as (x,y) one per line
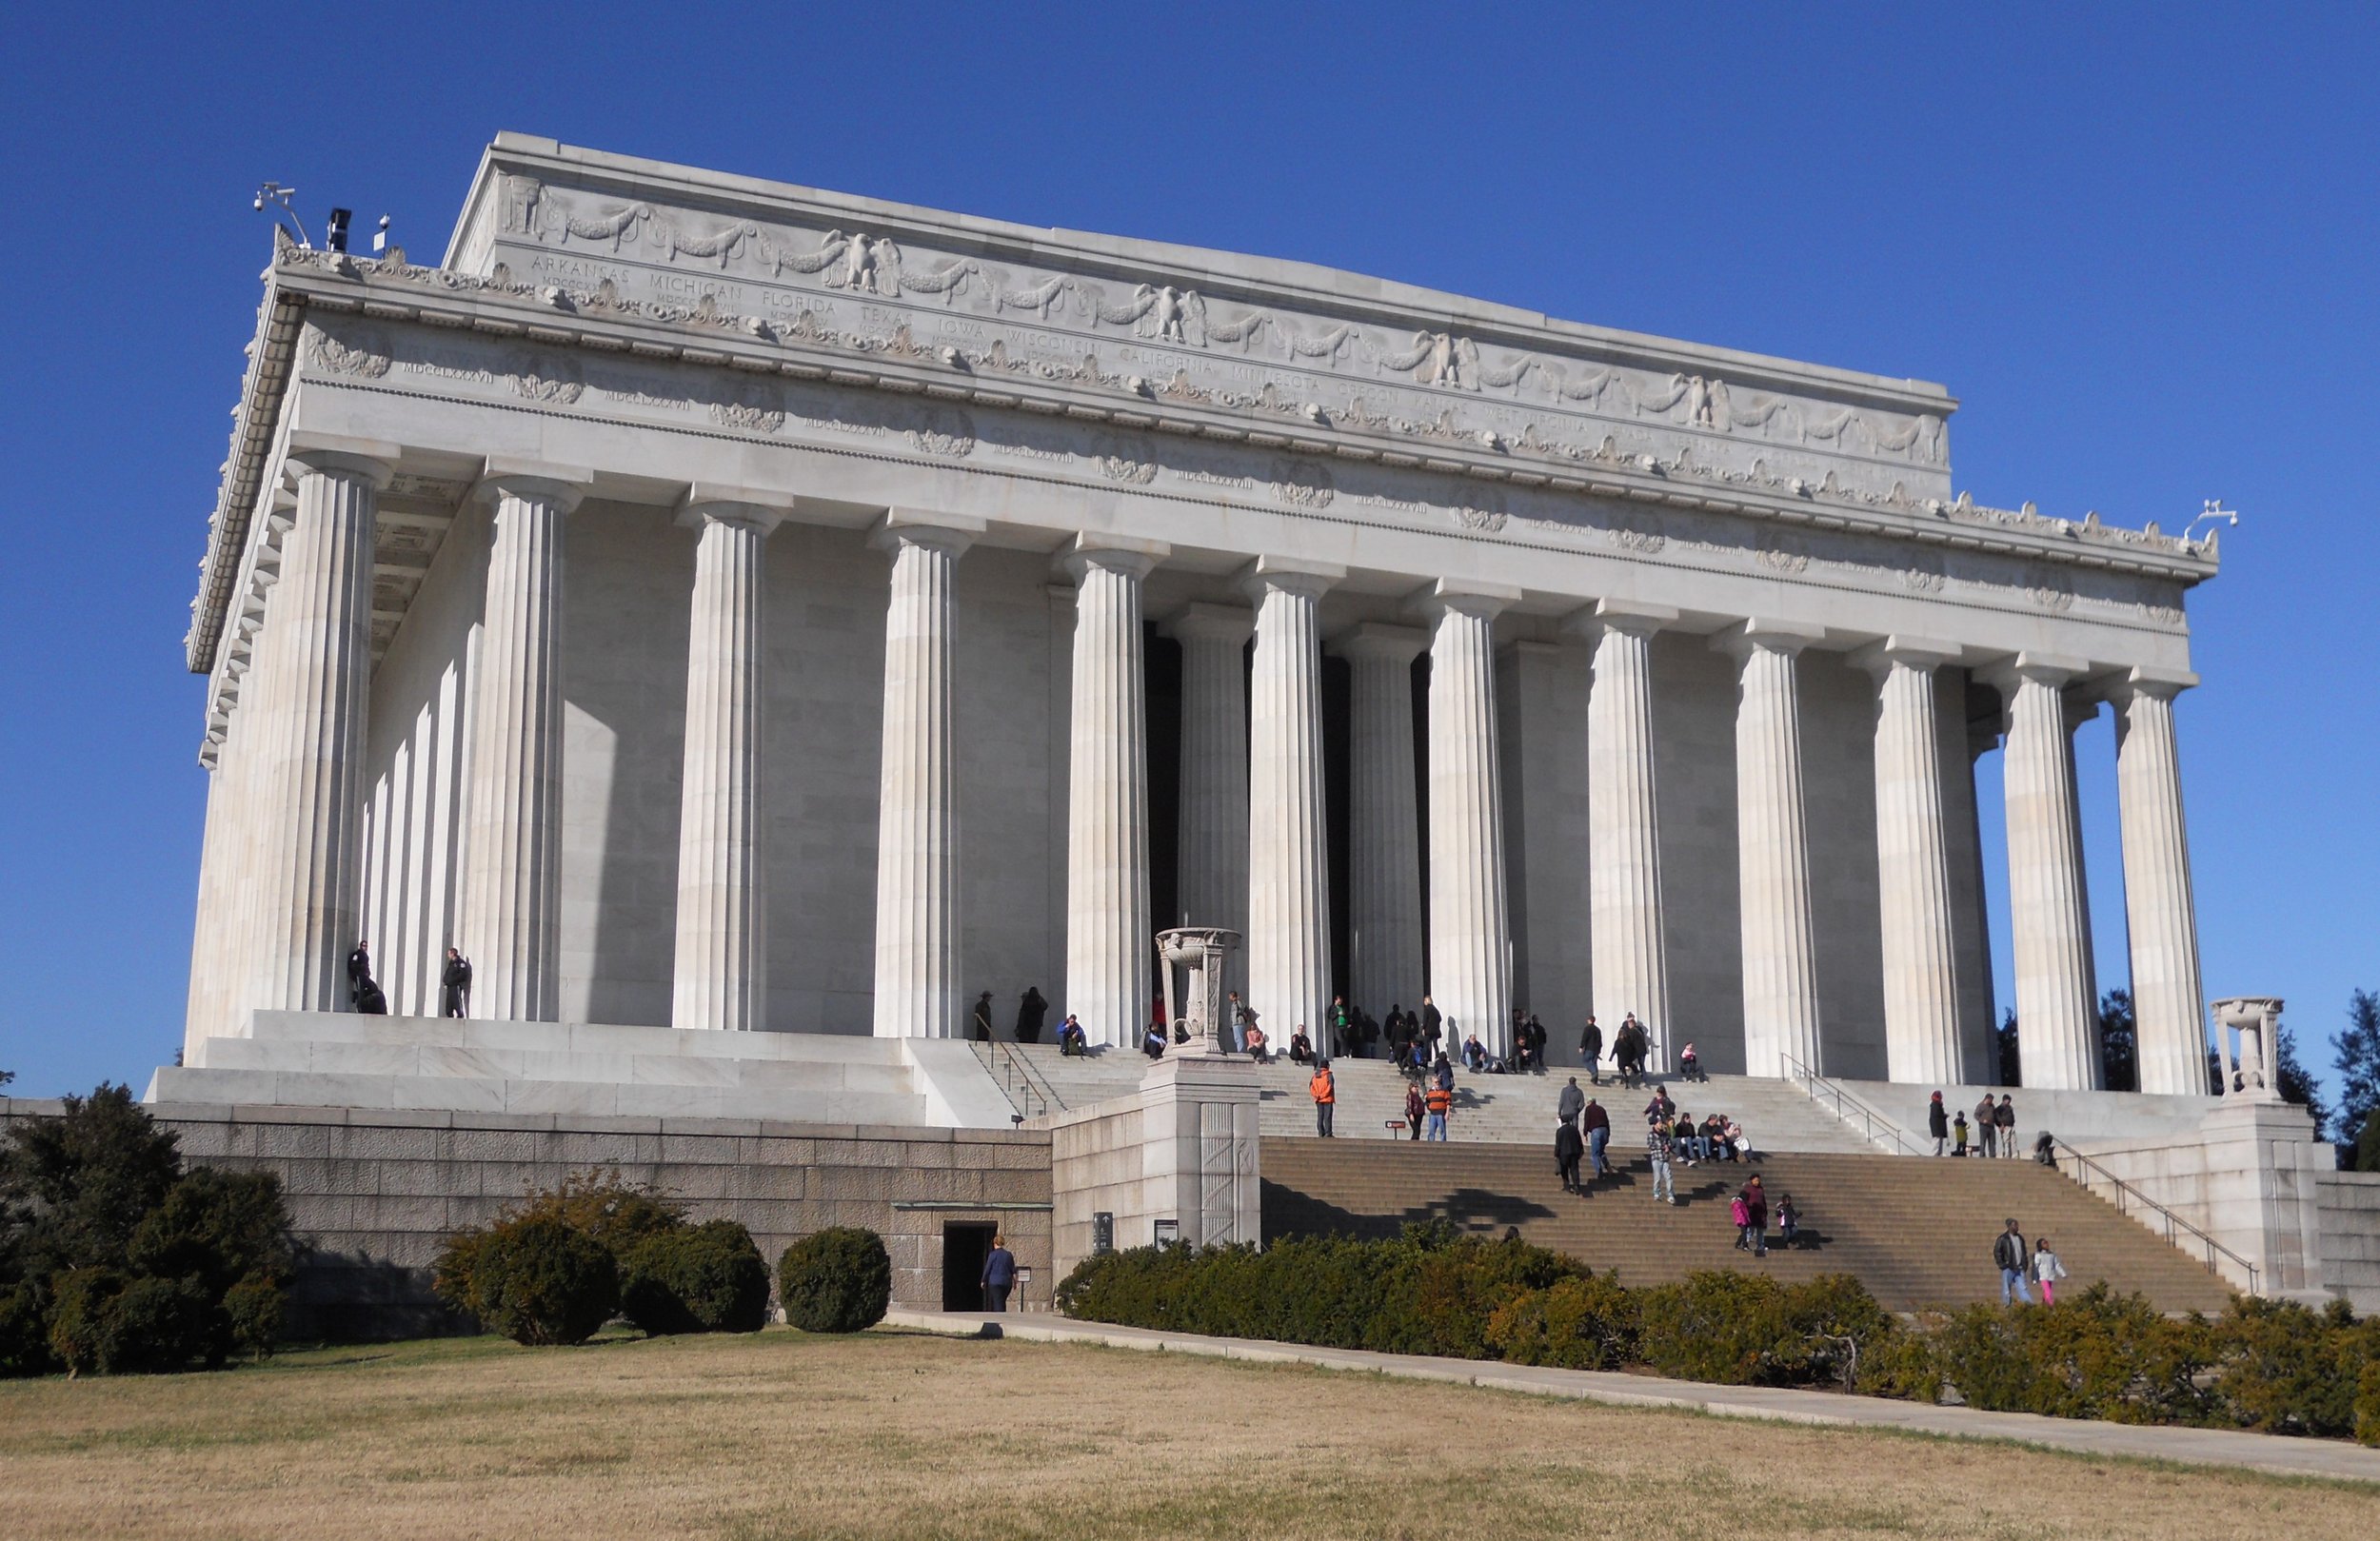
(1013,1075)
(1849,1109)
(2125,1191)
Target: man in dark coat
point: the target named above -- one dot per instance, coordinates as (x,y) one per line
(1568,1147)
(1029,1013)
(984,1017)
(1597,1126)
(1937,1122)
(1591,1050)
(1432,1026)
(454,984)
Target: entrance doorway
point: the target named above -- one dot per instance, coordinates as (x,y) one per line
(965,1244)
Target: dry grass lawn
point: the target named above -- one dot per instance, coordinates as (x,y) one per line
(897,1435)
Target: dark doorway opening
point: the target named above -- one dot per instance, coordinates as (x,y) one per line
(965,1244)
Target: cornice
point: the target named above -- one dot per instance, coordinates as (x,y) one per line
(602,321)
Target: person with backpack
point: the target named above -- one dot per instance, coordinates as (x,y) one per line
(2008,1255)
(1323,1088)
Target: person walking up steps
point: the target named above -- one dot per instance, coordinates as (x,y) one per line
(1597,1125)
(1567,1147)
(1591,1050)
(1324,1089)
(1571,1103)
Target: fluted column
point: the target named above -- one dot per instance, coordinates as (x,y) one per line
(1289,897)
(1772,849)
(2056,1015)
(1469,912)
(1913,865)
(1383,817)
(2160,913)
(1109,944)
(318,684)
(1211,846)
(918,987)
(512,835)
(1626,941)
(721,979)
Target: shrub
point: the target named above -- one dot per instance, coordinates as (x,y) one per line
(835,1280)
(536,1280)
(2096,1354)
(2368,1403)
(1583,1323)
(699,1278)
(251,1310)
(615,1212)
(107,1322)
(2286,1368)
(217,1228)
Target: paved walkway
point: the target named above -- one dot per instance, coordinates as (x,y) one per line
(2195,1446)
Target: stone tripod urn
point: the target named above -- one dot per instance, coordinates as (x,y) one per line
(1196,1009)
(2252,1069)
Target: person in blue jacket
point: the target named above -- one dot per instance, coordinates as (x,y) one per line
(1000,1275)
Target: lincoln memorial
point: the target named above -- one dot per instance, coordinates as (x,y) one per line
(711,603)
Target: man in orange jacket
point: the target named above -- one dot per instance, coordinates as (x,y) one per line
(1440,1102)
(1325,1089)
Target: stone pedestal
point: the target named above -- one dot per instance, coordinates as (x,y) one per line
(1182,1150)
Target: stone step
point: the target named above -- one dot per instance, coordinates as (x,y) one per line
(1917,1232)
(488,1062)
(565,1037)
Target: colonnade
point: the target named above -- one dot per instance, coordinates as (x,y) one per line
(276,920)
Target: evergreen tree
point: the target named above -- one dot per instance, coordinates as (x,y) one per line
(2358,1064)
(2119,1041)
(2005,1055)
(2295,1083)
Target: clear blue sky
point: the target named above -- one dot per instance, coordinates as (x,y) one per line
(2140,243)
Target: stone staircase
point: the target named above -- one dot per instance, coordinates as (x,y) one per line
(1917,1231)
(1488,1109)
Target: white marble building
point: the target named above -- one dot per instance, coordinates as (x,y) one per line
(721,604)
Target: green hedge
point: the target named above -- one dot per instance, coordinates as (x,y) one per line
(2095,1354)
(836,1281)
(696,1278)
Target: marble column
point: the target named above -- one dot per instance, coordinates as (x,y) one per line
(317,690)
(1211,844)
(918,986)
(512,834)
(1921,1042)
(1469,912)
(721,977)
(1289,897)
(2158,908)
(1781,963)
(1384,845)
(1110,947)
(2056,1009)
(1626,943)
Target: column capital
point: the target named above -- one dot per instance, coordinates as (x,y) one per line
(2157,684)
(1924,654)
(1211,624)
(560,485)
(1630,617)
(1745,638)
(1377,642)
(1484,601)
(2053,669)
(1308,579)
(717,503)
(371,461)
(1129,555)
(949,533)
